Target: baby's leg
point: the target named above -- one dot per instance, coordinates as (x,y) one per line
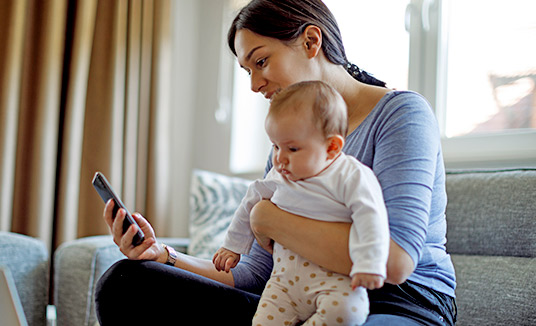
(275,306)
(342,307)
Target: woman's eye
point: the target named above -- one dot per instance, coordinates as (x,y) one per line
(260,63)
(246,70)
(293,149)
(275,147)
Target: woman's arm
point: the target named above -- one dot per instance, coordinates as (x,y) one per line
(324,243)
(151,250)
(204,268)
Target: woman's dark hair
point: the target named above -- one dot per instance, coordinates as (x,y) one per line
(286,20)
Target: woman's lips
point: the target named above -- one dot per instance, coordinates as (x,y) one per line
(269,95)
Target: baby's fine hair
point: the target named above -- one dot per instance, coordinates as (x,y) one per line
(328,107)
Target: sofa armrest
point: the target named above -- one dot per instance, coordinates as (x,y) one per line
(179,244)
(78,266)
(27,260)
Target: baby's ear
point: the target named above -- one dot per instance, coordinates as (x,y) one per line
(335,144)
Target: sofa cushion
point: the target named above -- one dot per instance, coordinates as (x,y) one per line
(495,290)
(213,200)
(492,212)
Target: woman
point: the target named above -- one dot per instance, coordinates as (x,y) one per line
(280,43)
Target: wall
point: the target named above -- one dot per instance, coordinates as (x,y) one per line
(182,100)
(201,62)
(211,137)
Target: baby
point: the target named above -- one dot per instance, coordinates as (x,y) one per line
(312,177)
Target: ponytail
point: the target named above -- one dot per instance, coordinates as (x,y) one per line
(362,75)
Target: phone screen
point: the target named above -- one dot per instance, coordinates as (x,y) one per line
(104,189)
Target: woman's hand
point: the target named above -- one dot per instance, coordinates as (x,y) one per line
(324,243)
(147,250)
(150,250)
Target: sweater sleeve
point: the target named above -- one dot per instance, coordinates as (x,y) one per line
(253,270)
(406,154)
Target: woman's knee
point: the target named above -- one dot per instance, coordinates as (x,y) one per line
(125,282)
(125,277)
(114,282)
(109,290)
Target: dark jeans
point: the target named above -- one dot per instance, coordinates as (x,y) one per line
(149,293)
(410,304)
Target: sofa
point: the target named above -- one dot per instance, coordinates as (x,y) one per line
(491,217)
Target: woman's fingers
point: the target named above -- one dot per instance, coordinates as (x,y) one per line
(126,240)
(108,209)
(144,225)
(136,252)
(123,240)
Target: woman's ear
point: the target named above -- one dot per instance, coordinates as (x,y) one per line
(312,40)
(335,144)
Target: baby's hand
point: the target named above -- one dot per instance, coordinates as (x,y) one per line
(368,281)
(225,259)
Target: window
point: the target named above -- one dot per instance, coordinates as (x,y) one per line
(472,60)
(250,145)
(491,75)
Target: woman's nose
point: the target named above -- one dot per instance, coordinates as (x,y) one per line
(256,82)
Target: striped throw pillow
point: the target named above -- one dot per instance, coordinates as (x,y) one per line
(213,200)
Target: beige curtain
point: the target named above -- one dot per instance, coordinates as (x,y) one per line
(83,89)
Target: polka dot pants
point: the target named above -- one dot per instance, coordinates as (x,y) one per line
(299,290)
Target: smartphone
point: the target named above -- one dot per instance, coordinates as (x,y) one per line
(106,192)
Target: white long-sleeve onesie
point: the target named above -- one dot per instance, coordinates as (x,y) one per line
(346,191)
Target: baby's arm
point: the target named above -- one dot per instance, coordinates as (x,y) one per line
(239,237)
(368,281)
(225,259)
(369,235)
